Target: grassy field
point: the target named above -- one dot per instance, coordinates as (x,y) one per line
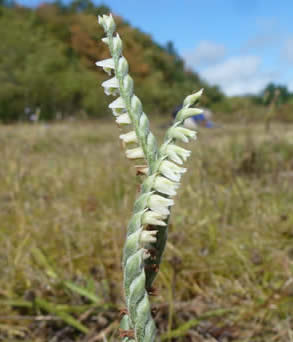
(66,194)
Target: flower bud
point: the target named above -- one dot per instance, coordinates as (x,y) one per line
(191,99)
(107,22)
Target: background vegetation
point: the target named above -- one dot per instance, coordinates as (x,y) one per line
(48,56)
(66,196)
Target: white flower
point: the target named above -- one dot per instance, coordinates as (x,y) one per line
(118,103)
(171,170)
(160,204)
(106,64)
(176,153)
(191,99)
(129,137)
(123,119)
(135,153)
(186,113)
(153,218)
(148,236)
(111,86)
(165,186)
(107,22)
(181,133)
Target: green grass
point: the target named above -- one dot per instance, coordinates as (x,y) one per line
(66,194)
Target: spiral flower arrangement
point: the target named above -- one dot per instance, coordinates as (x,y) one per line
(147,228)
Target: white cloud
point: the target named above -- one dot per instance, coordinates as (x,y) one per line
(205,53)
(238,75)
(288,50)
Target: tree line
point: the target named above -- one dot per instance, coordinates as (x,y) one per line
(47,64)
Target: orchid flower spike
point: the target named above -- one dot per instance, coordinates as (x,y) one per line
(147,228)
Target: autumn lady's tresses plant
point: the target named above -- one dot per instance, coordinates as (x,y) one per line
(147,229)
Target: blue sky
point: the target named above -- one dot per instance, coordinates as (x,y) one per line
(241,45)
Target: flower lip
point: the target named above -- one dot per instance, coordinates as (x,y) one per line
(111,83)
(123,119)
(129,137)
(160,204)
(148,236)
(171,170)
(118,103)
(153,218)
(181,133)
(176,153)
(135,153)
(165,186)
(106,63)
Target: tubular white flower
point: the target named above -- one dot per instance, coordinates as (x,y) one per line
(153,218)
(171,170)
(135,153)
(111,86)
(181,133)
(107,65)
(191,99)
(107,22)
(186,113)
(160,204)
(148,236)
(123,119)
(176,153)
(165,186)
(118,103)
(129,137)
(111,83)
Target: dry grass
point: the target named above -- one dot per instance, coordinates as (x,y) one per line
(66,193)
